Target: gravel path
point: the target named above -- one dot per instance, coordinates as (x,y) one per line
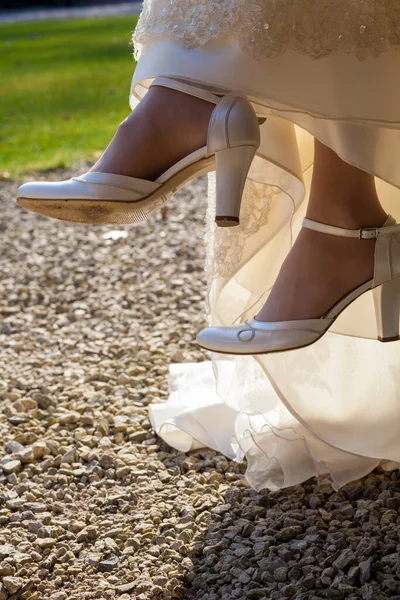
(47,14)
(92,504)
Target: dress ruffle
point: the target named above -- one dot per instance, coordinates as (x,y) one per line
(280,451)
(329,410)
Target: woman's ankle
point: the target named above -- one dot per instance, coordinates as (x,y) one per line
(342,194)
(349,216)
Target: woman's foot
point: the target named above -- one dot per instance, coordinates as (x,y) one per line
(321,269)
(171,139)
(123,186)
(284,333)
(172,122)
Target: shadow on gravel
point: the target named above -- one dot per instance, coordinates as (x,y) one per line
(307,542)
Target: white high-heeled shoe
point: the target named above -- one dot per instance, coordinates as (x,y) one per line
(233,139)
(258,337)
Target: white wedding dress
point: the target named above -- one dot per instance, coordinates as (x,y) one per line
(323,68)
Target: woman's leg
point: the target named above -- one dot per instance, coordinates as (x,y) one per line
(165,126)
(321,268)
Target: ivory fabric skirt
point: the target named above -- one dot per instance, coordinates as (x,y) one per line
(331,409)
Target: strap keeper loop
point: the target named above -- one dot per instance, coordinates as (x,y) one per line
(369,233)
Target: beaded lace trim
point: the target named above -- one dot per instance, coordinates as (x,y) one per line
(225,246)
(266,28)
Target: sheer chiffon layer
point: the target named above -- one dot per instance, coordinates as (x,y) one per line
(331,409)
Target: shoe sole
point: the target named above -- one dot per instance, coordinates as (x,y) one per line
(265,352)
(262,352)
(115,212)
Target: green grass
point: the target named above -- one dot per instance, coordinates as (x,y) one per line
(64,89)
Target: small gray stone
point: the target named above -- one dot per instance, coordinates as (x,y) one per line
(69,418)
(315,501)
(366,547)
(79,472)
(21,558)
(107,461)
(354,490)
(298,545)
(333,594)
(17,419)
(295,573)
(345,559)
(248,529)
(6,569)
(15,503)
(347,511)
(45,542)
(365,571)
(289,533)
(244,578)
(12,466)
(42,400)
(13,584)
(138,436)
(93,558)
(40,449)
(309,582)
(159,580)
(280,574)
(12,447)
(106,566)
(123,379)
(120,423)
(6,550)
(36,507)
(347,589)
(233,496)
(69,457)
(289,591)
(393,503)
(130,587)
(26,455)
(327,576)
(110,545)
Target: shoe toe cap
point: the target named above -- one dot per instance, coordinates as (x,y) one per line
(33,189)
(43,190)
(25,190)
(206,337)
(218,339)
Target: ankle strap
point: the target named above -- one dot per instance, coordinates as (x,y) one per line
(186,88)
(366,233)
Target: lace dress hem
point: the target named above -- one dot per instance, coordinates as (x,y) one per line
(267,28)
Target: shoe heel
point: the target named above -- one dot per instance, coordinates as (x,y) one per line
(387,310)
(232,168)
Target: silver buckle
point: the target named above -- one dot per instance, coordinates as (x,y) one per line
(369,233)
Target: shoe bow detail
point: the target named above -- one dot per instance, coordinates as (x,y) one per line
(248,334)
